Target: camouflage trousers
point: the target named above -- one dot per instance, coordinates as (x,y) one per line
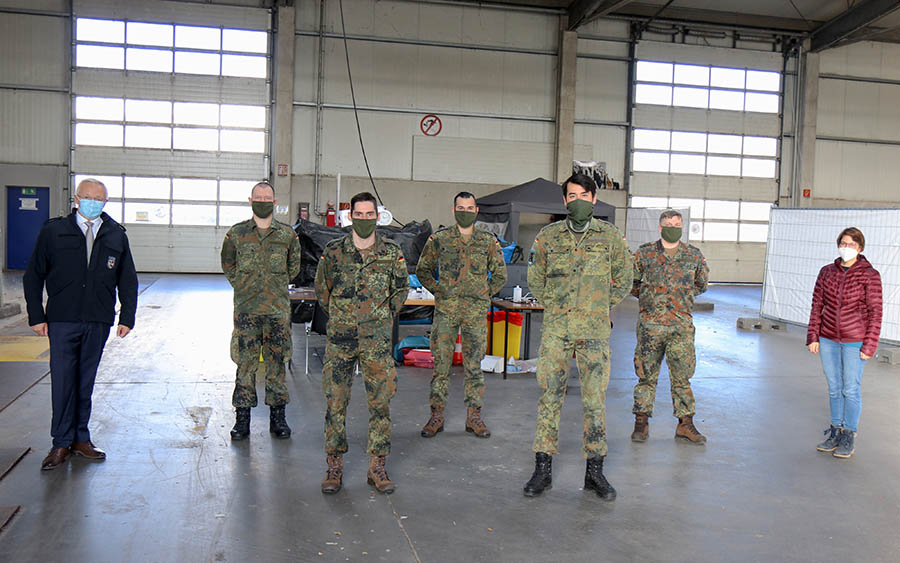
(473,327)
(269,335)
(380,380)
(676,343)
(592,359)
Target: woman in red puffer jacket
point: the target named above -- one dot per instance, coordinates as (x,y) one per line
(844,326)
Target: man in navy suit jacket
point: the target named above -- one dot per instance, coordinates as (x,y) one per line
(82,259)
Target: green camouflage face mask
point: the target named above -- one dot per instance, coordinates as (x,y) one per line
(671,234)
(580,212)
(364,227)
(262,209)
(464,219)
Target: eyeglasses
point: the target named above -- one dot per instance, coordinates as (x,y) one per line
(848,245)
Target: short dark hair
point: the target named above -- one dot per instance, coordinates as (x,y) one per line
(361,197)
(855,234)
(669,214)
(264,184)
(582,180)
(463,195)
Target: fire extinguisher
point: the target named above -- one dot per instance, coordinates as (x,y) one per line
(330,215)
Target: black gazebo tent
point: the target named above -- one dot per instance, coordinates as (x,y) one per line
(536,196)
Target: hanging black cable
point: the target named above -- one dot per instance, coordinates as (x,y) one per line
(356,112)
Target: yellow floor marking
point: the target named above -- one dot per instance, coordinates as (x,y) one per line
(24,349)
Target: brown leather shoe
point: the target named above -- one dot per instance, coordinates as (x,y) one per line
(435,424)
(88,450)
(335,476)
(474,424)
(687,431)
(378,476)
(641,428)
(55,458)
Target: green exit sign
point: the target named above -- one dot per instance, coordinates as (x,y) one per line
(29,191)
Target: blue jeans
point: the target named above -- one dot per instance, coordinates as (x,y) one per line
(843,370)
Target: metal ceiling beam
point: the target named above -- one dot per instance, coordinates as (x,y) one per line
(581,10)
(840,28)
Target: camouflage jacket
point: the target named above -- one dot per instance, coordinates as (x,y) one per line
(260,267)
(579,278)
(468,271)
(361,295)
(666,287)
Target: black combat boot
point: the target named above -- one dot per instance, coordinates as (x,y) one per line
(277,424)
(595,481)
(241,423)
(541,479)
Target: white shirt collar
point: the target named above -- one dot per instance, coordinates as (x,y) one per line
(82,223)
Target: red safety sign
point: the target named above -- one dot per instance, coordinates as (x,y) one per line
(431,125)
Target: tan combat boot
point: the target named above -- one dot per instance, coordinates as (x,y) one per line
(641,428)
(378,476)
(334,478)
(474,424)
(435,424)
(687,431)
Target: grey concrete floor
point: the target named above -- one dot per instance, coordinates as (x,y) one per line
(176,489)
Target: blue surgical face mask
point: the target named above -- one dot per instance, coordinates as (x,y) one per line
(90,208)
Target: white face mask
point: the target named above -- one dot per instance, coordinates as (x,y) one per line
(847,253)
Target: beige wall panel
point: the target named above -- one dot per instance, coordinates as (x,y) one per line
(34,50)
(432,78)
(482,161)
(690,119)
(437,22)
(306,66)
(857,171)
(34,127)
(304,145)
(387,136)
(476,128)
(153,86)
(228,166)
(436,79)
(607,145)
(601,90)
(707,187)
(860,110)
(529,84)
(868,59)
(480,91)
(59,6)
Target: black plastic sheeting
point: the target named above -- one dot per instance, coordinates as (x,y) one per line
(313,238)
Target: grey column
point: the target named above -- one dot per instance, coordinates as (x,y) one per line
(283,130)
(566,63)
(808,119)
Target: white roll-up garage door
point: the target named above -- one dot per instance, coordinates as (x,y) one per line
(171,111)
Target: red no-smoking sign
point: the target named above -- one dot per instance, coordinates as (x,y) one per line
(430,125)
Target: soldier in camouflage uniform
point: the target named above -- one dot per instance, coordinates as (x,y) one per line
(579,269)
(668,275)
(260,257)
(362,283)
(470,269)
